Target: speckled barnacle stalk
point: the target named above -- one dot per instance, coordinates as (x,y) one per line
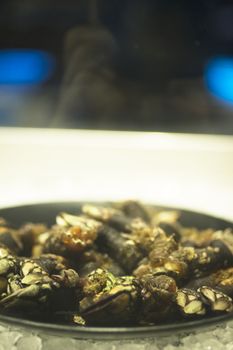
(92,260)
(72,235)
(120,247)
(33,285)
(8,261)
(134,209)
(156,295)
(202,261)
(109,300)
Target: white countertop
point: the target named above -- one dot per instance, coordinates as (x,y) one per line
(189,171)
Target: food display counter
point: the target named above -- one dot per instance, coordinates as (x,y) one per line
(187,171)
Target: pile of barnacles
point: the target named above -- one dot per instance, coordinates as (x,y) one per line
(122,264)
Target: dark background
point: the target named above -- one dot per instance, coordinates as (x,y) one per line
(124,65)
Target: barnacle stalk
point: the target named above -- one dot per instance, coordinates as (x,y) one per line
(119,247)
(108,300)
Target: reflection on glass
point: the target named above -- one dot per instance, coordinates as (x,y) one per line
(125,65)
(219,77)
(19,67)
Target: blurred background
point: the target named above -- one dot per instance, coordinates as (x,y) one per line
(151,65)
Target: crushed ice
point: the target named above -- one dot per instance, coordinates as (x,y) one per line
(218,338)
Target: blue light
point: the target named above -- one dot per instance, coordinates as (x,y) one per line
(219,77)
(25,67)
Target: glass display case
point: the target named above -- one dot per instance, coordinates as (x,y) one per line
(122,65)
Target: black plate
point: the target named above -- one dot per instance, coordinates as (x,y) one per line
(46,212)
